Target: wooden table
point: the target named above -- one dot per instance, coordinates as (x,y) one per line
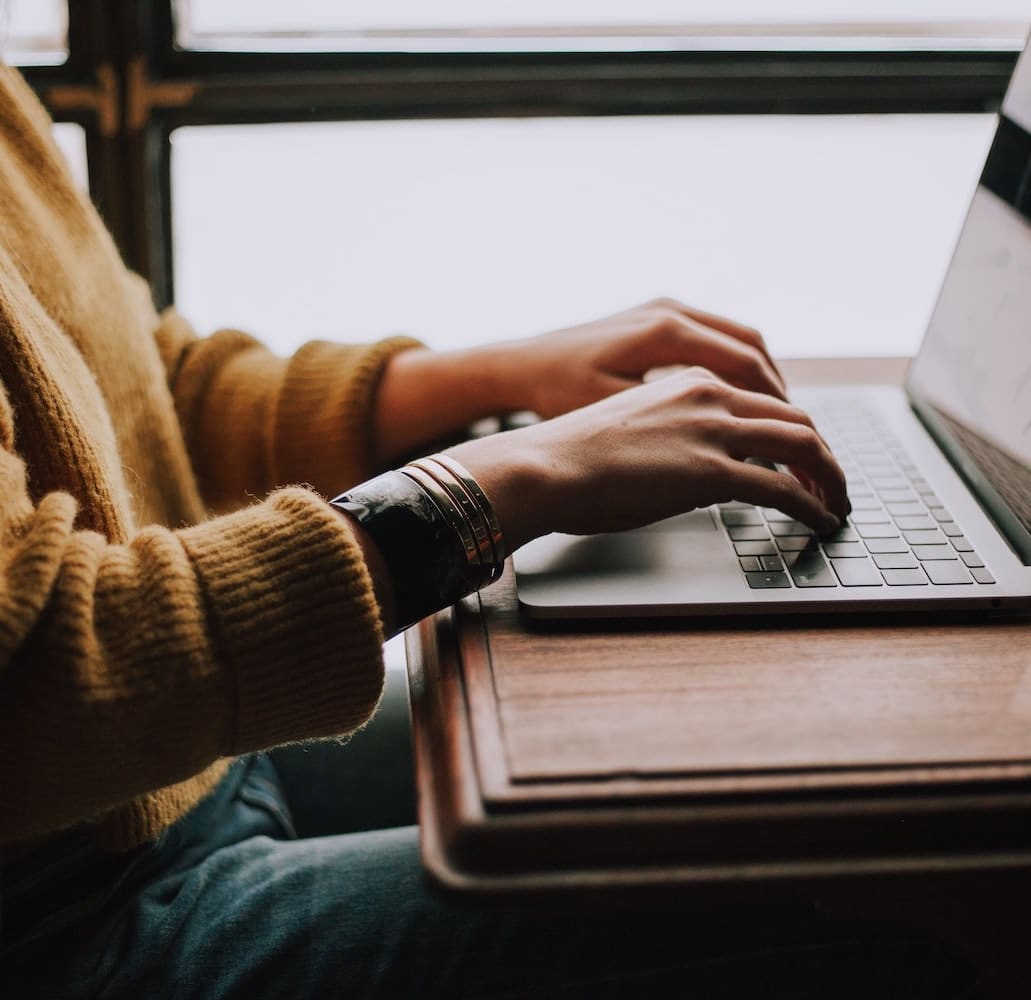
(834,758)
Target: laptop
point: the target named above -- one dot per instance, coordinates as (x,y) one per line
(939,470)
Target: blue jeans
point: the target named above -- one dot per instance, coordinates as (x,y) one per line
(228,903)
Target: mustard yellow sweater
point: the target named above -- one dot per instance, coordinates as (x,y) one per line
(144,644)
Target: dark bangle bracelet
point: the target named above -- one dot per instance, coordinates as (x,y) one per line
(423,552)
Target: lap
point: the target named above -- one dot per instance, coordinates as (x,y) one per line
(255,913)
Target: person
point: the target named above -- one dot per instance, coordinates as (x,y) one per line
(159,628)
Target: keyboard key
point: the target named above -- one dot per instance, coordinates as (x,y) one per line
(781,528)
(878,545)
(877,530)
(921,485)
(737,517)
(940,514)
(767,581)
(771,563)
(906,509)
(946,572)
(844,550)
(748,533)
(809,569)
(857,573)
(934,553)
(930,498)
(897,496)
(960,544)
(735,505)
(982,575)
(904,577)
(880,483)
(751,564)
(881,473)
(951,529)
(908,523)
(845,534)
(895,560)
(971,559)
(776,515)
(793,543)
(755,548)
(932,537)
(863,502)
(879,516)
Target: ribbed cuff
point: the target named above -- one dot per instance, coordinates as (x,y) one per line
(292,615)
(324,419)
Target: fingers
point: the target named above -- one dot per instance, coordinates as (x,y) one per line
(776,431)
(754,404)
(798,446)
(771,430)
(739,363)
(769,488)
(739,331)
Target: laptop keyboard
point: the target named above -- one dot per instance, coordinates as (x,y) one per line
(899,534)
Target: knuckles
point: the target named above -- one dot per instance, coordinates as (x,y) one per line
(666,304)
(752,366)
(703,389)
(806,437)
(667,326)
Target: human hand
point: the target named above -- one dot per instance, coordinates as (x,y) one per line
(654,451)
(426,395)
(570,368)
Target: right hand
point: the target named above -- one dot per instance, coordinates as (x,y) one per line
(654,451)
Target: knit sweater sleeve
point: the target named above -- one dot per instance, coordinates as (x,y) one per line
(128,667)
(254,421)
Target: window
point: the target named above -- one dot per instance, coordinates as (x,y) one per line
(72,141)
(829,233)
(34,32)
(504,25)
(376,166)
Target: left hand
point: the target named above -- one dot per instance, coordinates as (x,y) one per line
(570,368)
(425,395)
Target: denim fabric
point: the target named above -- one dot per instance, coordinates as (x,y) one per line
(228,904)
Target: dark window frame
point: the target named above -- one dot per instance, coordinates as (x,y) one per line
(129,86)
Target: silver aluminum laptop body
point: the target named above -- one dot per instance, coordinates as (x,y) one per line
(942,505)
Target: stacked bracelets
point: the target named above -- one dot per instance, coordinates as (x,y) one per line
(435,529)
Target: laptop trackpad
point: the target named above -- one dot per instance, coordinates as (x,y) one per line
(673,543)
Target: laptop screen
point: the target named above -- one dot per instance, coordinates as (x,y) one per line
(971,381)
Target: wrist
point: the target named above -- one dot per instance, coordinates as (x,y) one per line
(518,478)
(429,534)
(426,396)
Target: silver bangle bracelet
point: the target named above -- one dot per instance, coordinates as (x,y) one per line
(467,480)
(467,508)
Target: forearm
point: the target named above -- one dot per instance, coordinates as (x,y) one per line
(425,396)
